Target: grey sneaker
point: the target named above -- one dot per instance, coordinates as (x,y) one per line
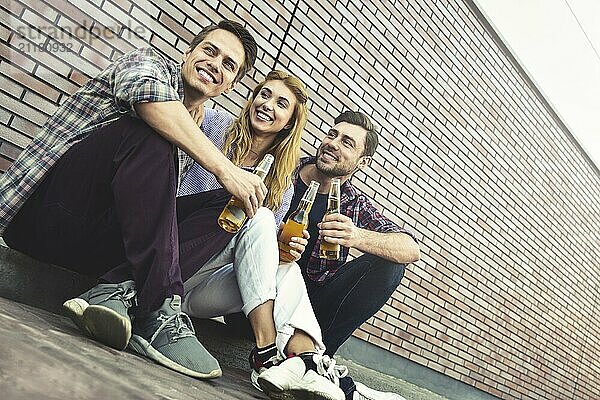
(167,336)
(102,312)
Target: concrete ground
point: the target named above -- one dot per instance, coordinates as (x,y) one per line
(44,356)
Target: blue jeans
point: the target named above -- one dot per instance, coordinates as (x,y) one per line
(353,295)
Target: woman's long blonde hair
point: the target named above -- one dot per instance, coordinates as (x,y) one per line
(286,146)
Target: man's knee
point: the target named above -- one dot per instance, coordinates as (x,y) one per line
(137,132)
(391,271)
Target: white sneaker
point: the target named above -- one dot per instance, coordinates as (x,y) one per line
(366,393)
(327,367)
(291,380)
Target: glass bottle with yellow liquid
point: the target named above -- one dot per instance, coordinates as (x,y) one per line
(331,251)
(233,215)
(297,222)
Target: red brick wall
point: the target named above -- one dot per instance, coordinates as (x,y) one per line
(504,202)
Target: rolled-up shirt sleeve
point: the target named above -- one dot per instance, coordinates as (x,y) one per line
(370,218)
(142,76)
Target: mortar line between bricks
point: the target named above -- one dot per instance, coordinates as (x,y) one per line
(585,345)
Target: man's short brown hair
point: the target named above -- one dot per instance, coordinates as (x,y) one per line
(360,119)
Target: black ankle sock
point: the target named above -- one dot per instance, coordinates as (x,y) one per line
(307,357)
(348,387)
(259,356)
(266,352)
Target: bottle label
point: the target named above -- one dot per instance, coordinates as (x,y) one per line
(237,213)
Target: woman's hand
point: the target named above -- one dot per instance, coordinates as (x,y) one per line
(297,244)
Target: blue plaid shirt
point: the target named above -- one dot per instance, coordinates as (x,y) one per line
(139,76)
(357,206)
(197,179)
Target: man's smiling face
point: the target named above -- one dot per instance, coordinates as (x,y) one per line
(341,151)
(211,67)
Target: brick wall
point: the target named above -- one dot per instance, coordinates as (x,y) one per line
(503,200)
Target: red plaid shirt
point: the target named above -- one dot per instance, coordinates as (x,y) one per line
(357,206)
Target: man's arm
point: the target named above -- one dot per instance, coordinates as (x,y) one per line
(142,79)
(392,246)
(173,121)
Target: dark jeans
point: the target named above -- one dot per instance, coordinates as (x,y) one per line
(353,295)
(107,208)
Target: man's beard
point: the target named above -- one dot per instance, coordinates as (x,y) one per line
(334,171)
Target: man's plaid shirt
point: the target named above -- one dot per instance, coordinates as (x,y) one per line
(139,76)
(357,206)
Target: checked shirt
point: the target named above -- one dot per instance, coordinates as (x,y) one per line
(357,206)
(139,76)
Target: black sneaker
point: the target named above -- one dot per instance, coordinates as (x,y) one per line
(167,336)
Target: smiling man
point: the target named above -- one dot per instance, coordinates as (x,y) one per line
(96,191)
(346,294)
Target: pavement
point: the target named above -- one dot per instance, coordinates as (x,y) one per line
(44,356)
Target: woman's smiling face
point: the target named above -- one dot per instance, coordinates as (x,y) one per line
(273,108)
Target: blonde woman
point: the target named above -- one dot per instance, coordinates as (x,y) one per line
(272,122)
(246,275)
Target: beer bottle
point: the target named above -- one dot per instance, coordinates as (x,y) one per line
(233,215)
(328,250)
(297,222)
